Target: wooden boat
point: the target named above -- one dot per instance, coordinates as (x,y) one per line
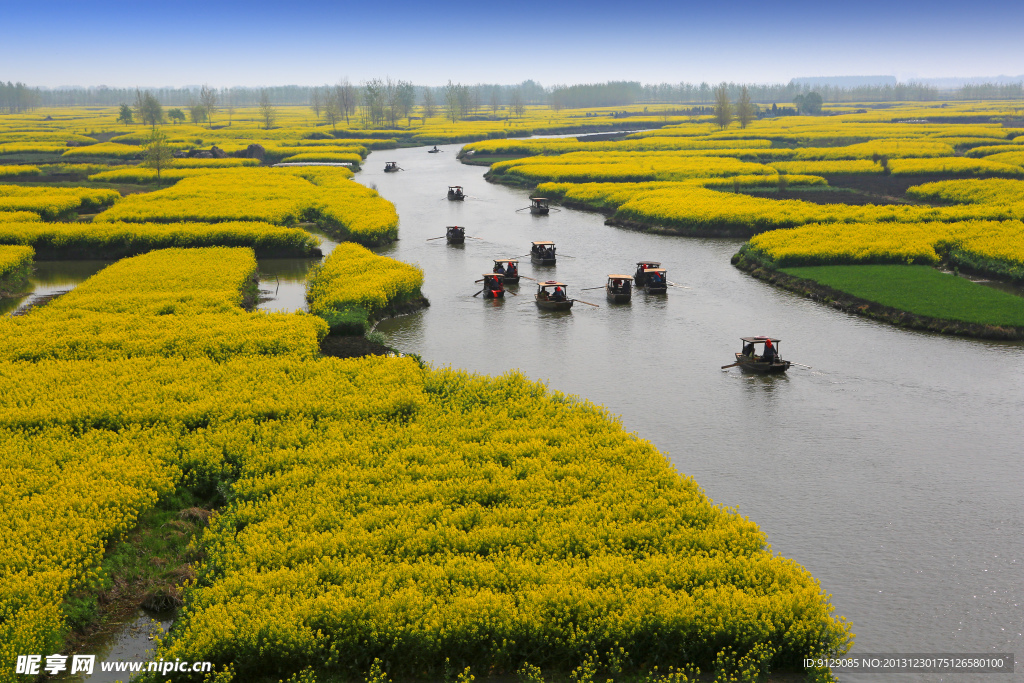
(543,253)
(749,360)
(433,151)
(641,266)
(510,266)
(455,193)
(539,206)
(655,280)
(548,299)
(391,167)
(619,288)
(494,287)
(455,235)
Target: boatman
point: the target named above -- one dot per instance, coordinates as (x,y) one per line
(511,270)
(559,294)
(500,269)
(769,352)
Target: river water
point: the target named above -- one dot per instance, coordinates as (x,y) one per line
(892,470)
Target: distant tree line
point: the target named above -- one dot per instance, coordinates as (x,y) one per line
(385,101)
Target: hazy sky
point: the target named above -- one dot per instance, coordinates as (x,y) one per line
(181,42)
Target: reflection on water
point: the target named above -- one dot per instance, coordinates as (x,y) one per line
(49,278)
(283,280)
(890,469)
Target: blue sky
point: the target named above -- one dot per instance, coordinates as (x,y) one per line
(174,43)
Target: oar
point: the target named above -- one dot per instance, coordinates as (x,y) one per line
(730,365)
(800,364)
(566,256)
(479,293)
(585,302)
(437,238)
(529,278)
(468,237)
(511,292)
(586,289)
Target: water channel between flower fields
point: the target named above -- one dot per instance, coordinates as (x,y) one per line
(891,470)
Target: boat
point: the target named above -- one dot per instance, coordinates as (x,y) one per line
(433,151)
(391,167)
(546,293)
(749,360)
(619,288)
(655,280)
(511,268)
(539,206)
(641,266)
(455,193)
(494,287)
(455,235)
(543,253)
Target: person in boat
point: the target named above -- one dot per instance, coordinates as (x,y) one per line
(655,279)
(748,349)
(511,270)
(558,294)
(543,295)
(435,149)
(616,284)
(769,355)
(500,269)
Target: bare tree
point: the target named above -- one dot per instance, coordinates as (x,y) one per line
(374,101)
(429,104)
(390,93)
(208,99)
(332,108)
(464,97)
(723,107)
(229,106)
(495,100)
(316,100)
(405,99)
(744,108)
(348,98)
(196,111)
(267,110)
(158,154)
(516,103)
(451,100)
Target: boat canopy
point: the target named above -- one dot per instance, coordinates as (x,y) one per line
(455,227)
(655,270)
(649,264)
(455,187)
(506,260)
(760,340)
(538,199)
(620,277)
(544,243)
(551,283)
(496,276)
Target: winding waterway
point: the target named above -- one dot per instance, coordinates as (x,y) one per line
(892,470)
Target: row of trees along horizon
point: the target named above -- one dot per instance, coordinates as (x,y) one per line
(19,97)
(385,103)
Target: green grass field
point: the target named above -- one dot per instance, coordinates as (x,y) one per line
(921,290)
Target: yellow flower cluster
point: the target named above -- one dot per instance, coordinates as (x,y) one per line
(501,523)
(276,195)
(114,240)
(54,202)
(990,166)
(15,264)
(564,146)
(177,303)
(624,167)
(19,217)
(20,172)
(352,276)
(332,157)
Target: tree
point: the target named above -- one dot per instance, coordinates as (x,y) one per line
(208,99)
(158,154)
(429,104)
(516,102)
(332,109)
(809,103)
(405,99)
(374,101)
(176,115)
(348,98)
(196,111)
(229,106)
(267,111)
(723,107)
(125,115)
(451,101)
(495,100)
(316,101)
(150,111)
(744,108)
